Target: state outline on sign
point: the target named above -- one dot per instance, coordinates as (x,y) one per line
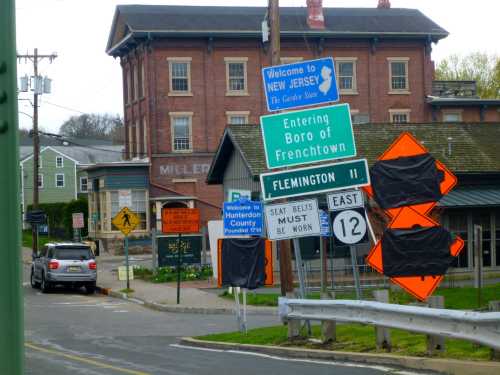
(333,77)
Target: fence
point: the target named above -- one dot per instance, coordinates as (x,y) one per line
(482,328)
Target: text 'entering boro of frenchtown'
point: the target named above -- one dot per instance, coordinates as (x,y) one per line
(310,151)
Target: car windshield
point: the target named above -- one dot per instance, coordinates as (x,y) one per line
(82,253)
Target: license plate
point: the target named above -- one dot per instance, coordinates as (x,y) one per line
(74,269)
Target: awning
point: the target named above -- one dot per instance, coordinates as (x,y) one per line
(484,196)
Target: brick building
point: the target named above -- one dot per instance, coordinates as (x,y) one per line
(188,71)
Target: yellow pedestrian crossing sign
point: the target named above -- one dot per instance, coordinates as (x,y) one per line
(126,221)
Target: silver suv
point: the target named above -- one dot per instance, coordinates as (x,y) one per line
(64,264)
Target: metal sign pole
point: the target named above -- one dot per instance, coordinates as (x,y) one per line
(355,271)
(179,269)
(300,270)
(126,263)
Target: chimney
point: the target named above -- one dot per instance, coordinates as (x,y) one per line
(384,4)
(315,18)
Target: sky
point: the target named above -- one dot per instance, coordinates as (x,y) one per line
(86,80)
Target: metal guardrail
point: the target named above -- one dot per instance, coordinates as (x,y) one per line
(482,328)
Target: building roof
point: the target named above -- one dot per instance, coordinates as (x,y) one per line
(132,22)
(463,148)
(83,155)
(472,196)
(462,102)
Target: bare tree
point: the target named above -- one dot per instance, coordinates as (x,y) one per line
(93,125)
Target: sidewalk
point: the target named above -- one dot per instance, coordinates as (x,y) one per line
(163,297)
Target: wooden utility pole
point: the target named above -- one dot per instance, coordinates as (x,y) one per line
(36,137)
(286,273)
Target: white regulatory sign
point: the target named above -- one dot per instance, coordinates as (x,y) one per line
(292,219)
(349,226)
(344,200)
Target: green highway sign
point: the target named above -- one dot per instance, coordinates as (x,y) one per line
(308,136)
(314,180)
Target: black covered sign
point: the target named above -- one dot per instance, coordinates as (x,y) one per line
(406,181)
(416,252)
(243,262)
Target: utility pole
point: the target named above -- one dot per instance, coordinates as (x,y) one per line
(11,312)
(286,273)
(37,90)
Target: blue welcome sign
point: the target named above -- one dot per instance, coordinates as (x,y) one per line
(300,84)
(242,218)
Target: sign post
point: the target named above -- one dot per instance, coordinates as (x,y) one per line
(178,221)
(126,221)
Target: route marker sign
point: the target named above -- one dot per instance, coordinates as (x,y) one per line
(349,226)
(344,200)
(242,218)
(292,220)
(126,221)
(300,84)
(315,180)
(308,136)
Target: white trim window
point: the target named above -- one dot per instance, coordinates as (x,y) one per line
(180,76)
(452,115)
(40,180)
(181,130)
(398,75)
(346,74)
(236,75)
(59,162)
(60,180)
(399,116)
(139,203)
(237,117)
(84,184)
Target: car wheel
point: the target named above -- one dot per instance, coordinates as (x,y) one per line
(44,286)
(33,283)
(90,289)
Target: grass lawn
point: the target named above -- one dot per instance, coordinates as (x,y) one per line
(454,298)
(355,338)
(42,240)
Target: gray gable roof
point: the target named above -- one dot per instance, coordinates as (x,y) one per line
(144,21)
(463,148)
(83,155)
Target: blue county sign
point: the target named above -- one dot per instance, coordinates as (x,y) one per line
(308,136)
(292,220)
(242,218)
(300,84)
(314,180)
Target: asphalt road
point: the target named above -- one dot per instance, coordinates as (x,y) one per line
(71,333)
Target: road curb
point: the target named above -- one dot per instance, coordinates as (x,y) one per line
(182,309)
(443,366)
